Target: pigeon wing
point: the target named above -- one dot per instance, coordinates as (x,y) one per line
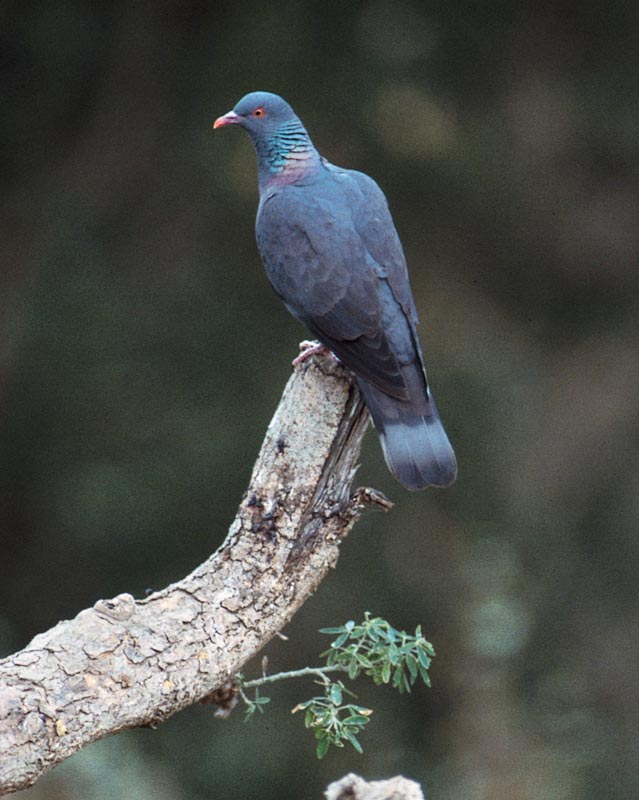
(318,262)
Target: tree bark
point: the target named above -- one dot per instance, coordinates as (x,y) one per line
(127,662)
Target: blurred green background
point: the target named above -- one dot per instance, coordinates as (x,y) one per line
(142,354)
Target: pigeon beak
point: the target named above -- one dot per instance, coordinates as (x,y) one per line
(228,119)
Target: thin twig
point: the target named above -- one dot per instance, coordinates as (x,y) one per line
(319,672)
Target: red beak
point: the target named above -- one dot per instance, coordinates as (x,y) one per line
(228,119)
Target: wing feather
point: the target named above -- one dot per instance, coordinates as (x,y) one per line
(332,253)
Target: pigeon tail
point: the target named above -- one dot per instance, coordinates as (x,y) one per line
(415,444)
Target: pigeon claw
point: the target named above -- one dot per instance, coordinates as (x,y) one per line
(310,348)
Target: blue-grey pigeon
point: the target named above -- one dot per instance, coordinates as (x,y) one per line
(332,253)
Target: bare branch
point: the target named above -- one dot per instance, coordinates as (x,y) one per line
(127,662)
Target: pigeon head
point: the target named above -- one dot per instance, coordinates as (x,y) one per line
(285,153)
(260,113)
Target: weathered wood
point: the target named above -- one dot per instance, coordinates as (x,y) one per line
(352,787)
(127,662)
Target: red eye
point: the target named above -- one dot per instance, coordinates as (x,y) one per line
(259,112)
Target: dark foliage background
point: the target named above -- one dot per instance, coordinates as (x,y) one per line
(142,354)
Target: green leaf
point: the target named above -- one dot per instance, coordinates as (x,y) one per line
(424,660)
(386,672)
(322,719)
(339,641)
(322,747)
(336,694)
(428,647)
(331,657)
(425,676)
(411,663)
(375,633)
(398,674)
(351,738)
(356,719)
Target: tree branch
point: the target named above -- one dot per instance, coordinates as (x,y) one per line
(126,662)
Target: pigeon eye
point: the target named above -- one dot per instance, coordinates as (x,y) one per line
(259,112)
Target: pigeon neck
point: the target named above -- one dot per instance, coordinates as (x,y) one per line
(287,156)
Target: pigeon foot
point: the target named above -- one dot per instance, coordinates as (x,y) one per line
(310,348)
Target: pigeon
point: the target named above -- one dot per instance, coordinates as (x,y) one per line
(331,252)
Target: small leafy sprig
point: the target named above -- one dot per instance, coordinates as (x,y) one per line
(372,647)
(334,723)
(386,655)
